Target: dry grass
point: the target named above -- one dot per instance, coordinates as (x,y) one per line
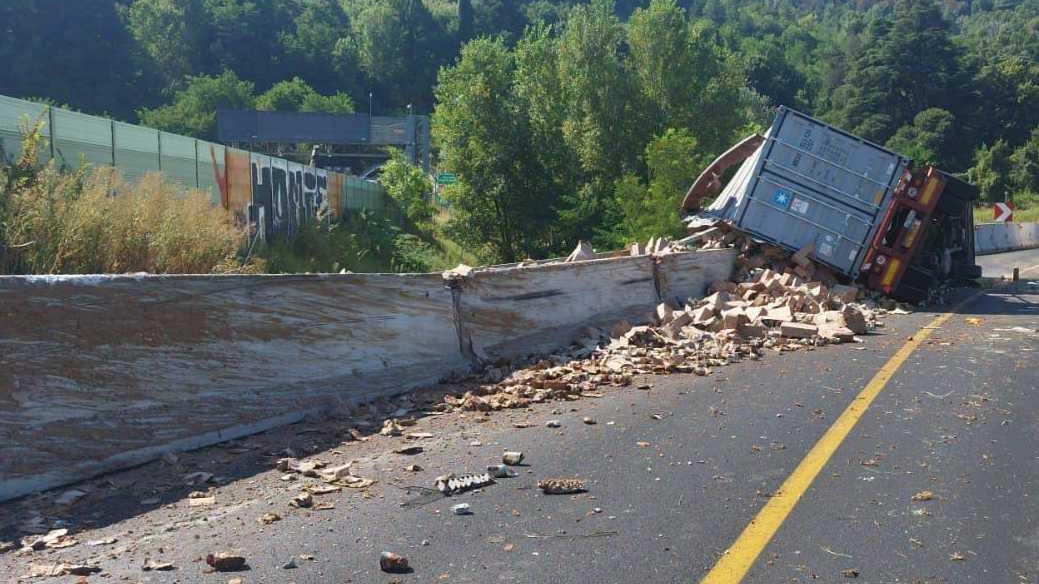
(91,221)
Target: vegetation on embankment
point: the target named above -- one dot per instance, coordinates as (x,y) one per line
(89,220)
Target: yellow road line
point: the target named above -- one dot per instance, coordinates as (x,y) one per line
(734,565)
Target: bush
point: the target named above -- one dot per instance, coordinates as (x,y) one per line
(91,221)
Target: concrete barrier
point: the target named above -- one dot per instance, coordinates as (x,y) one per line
(1000,237)
(99,373)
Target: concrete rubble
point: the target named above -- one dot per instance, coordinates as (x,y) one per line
(776,301)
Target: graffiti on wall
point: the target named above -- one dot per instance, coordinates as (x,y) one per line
(291,194)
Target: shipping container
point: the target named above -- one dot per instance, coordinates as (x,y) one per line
(810,183)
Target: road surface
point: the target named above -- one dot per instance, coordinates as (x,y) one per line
(1001,265)
(676,473)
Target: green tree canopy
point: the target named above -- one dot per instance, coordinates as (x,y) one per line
(193,111)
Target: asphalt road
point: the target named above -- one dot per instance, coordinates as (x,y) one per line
(1002,265)
(666,496)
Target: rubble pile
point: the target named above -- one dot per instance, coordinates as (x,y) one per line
(777,301)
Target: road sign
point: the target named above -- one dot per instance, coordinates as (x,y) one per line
(446,178)
(1003,212)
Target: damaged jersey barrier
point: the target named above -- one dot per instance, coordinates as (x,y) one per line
(999,237)
(101,373)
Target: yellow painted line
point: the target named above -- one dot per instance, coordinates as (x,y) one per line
(736,562)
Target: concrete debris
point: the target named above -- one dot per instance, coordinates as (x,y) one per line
(336,473)
(391,427)
(302,500)
(7,546)
(54,539)
(225,562)
(461,509)
(562,486)
(776,302)
(289,565)
(582,252)
(413,468)
(512,458)
(450,484)
(393,563)
(44,570)
(500,471)
(460,271)
(152,565)
(923,496)
(553,424)
(589,421)
(268,518)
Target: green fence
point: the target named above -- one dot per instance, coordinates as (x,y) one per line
(73,138)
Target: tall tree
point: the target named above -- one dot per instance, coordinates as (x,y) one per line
(193,111)
(908,65)
(484,136)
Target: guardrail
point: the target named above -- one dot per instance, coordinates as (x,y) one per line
(107,372)
(999,237)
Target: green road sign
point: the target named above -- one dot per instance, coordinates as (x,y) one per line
(446,178)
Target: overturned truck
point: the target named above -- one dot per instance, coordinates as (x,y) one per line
(864,211)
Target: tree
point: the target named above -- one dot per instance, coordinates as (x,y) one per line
(930,139)
(906,66)
(399,48)
(171,32)
(1024,169)
(990,172)
(295,95)
(410,188)
(484,137)
(674,160)
(313,50)
(193,111)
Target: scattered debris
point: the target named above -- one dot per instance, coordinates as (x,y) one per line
(54,539)
(391,427)
(461,509)
(581,253)
(923,496)
(289,565)
(562,486)
(393,563)
(957,557)
(302,500)
(225,562)
(778,303)
(450,484)
(512,458)
(151,565)
(409,450)
(413,468)
(500,471)
(268,518)
(589,421)
(40,570)
(850,573)
(553,424)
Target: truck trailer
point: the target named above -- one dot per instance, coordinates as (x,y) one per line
(867,213)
